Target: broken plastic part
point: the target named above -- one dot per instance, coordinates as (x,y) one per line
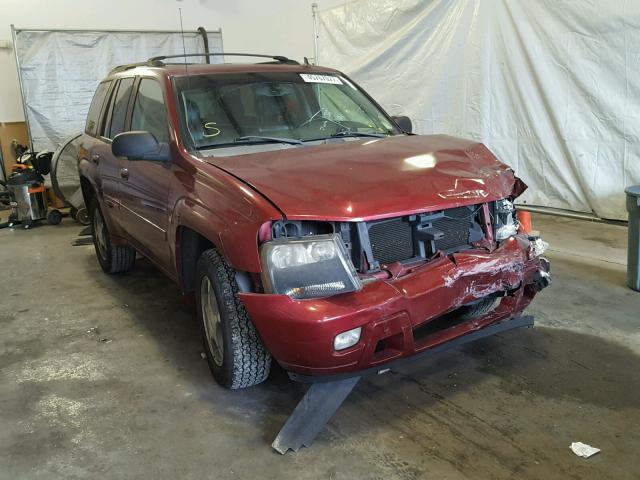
(537,247)
(519,187)
(507,230)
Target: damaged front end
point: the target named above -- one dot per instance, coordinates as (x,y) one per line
(389,248)
(411,283)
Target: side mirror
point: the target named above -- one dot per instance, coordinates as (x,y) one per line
(140,146)
(404,123)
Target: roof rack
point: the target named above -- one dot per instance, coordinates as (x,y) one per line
(122,68)
(159,61)
(278,58)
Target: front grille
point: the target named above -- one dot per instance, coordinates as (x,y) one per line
(456,226)
(391,241)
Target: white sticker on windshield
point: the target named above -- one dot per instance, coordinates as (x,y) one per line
(315,78)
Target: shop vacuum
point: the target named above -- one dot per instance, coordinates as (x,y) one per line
(27,193)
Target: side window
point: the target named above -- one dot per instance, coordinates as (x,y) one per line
(105,118)
(120,106)
(93,116)
(149,113)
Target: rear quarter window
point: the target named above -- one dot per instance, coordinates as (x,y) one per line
(93,116)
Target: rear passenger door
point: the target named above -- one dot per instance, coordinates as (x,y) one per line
(93,147)
(113,122)
(144,184)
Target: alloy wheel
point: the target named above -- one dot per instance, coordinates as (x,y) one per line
(211,320)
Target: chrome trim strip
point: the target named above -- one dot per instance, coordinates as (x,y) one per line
(143,218)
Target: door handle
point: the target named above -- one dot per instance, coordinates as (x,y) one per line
(95,158)
(124,173)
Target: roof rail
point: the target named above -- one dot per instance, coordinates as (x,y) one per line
(277,58)
(160,60)
(122,68)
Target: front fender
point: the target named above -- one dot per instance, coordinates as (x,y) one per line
(195,216)
(222,209)
(233,235)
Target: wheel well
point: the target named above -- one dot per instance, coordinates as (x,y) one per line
(190,246)
(87,191)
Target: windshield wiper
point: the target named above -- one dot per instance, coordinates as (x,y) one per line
(248,138)
(347,133)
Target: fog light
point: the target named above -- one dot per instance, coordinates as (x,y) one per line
(347,339)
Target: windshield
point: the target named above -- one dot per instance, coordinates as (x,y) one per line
(228,109)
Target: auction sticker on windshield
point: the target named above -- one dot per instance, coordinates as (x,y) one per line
(313,78)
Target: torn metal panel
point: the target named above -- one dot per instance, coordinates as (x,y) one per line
(312,413)
(327,393)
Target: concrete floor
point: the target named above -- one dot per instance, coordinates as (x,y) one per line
(103,376)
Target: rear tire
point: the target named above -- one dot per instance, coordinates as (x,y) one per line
(112,258)
(236,355)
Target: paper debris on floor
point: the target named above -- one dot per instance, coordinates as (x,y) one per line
(583,450)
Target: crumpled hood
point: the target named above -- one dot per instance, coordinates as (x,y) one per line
(374,178)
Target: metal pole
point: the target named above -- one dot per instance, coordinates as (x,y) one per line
(221,44)
(314,13)
(2,169)
(112,30)
(24,102)
(558,212)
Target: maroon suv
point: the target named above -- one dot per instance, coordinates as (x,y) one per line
(312,227)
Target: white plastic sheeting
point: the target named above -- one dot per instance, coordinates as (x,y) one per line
(552,87)
(61,69)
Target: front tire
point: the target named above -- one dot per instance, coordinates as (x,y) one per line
(236,355)
(112,258)
(479,308)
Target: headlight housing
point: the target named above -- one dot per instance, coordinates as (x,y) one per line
(505,221)
(308,267)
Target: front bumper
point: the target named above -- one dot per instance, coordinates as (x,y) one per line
(399,317)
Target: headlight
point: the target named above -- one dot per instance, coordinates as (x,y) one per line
(309,267)
(506,223)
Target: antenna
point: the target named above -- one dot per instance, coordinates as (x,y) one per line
(186,71)
(184,48)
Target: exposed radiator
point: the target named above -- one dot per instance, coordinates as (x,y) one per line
(393,240)
(455,225)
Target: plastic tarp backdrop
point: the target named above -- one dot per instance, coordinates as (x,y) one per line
(61,69)
(551,87)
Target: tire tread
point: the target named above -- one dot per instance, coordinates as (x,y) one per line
(251,360)
(120,258)
(479,308)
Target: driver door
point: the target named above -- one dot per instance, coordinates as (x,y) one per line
(144,184)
